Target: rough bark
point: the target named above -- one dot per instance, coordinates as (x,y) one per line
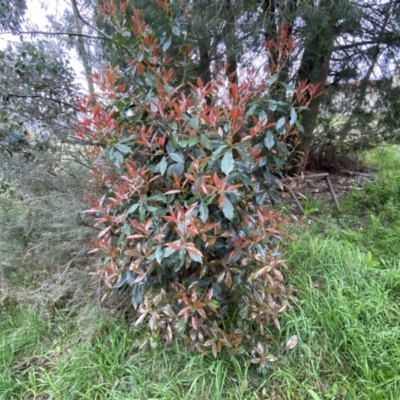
(205,61)
(319,68)
(314,69)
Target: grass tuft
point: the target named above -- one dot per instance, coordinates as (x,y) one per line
(346,275)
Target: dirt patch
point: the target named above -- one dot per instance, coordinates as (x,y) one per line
(342,184)
(319,189)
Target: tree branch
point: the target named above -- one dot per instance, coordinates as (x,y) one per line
(356,44)
(105,36)
(51,34)
(38,96)
(79,15)
(8,151)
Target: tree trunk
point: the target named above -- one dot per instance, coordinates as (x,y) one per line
(83,53)
(269,9)
(205,61)
(205,65)
(310,65)
(231,68)
(314,69)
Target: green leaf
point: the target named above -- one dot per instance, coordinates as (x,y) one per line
(293,117)
(195,257)
(123,148)
(137,295)
(177,157)
(118,157)
(149,78)
(227,163)
(159,254)
(158,197)
(175,169)
(194,122)
(216,153)
(272,105)
(122,280)
(300,126)
(260,198)
(130,278)
(158,211)
(167,44)
(251,110)
(227,208)
(128,139)
(272,79)
(182,255)
(203,209)
(153,107)
(214,303)
(281,123)
(183,142)
(168,251)
(133,208)
(193,140)
(126,229)
(280,163)
(121,239)
(245,156)
(269,140)
(174,139)
(288,87)
(180,325)
(313,394)
(176,30)
(163,164)
(263,117)
(207,142)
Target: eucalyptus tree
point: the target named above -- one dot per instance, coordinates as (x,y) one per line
(11,14)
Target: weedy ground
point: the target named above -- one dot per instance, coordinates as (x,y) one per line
(346,275)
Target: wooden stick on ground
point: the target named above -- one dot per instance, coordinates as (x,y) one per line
(334,198)
(296,200)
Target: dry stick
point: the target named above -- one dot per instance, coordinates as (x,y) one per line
(305,177)
(296,200)
(51,34)
(334,198)
(71,261)
(318,177)
(120,304)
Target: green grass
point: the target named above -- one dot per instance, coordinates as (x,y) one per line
(346,276)
(39,357)
(370,217)
(347,320)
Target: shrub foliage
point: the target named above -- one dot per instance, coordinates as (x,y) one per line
(186,176)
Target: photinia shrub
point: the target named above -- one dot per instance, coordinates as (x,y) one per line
(185,208)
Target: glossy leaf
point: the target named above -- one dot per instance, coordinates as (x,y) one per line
(163,165)
(228,208)
(269,140)
(227,163)
(293,117)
